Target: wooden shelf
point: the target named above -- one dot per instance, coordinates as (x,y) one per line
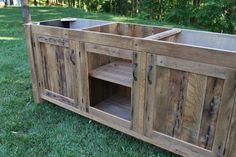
(118,72)
(116,105)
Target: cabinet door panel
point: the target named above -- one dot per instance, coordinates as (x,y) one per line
(187,101)
(58,67)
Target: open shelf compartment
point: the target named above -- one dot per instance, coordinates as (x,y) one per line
(110,86)
(119,72)
(110,98)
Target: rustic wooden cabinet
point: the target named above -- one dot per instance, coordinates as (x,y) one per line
(189,101)
(163,86)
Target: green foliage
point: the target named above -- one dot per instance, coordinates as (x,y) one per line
(213,15)
(217,16)
(181,12)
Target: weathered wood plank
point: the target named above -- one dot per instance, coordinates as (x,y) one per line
(109,117)
(225,113)
(194,102)
(54,41)
(32,62)
(72,73)
(176,99)
(60,66)
(50,70)
(138,91)
(161,105)
(84,77)
(141,84)
(231,144)
(39,66)
(116,105)
(110,51)
(117,72)
(190,66)
(149,96)
(52,96)
(164,34)
(211,107)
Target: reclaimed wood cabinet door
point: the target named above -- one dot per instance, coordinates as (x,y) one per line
(58,71)
(113,81)
(188,106)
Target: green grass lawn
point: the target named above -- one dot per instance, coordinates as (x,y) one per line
(28,129)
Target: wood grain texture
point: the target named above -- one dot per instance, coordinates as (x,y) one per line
(231,144)
(164,34)
(39,66)
(138,91)
(190,66)
(161,107)
(211,107)
(194,102)
(149,97)
(110,51)
(116,105)
(176,99)
(117,72)
(225,114)
(54,41)
(32,63)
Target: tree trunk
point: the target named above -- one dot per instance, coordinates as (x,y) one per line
(25,11)
(111,6)
(35,3)
(137,9)
(132,12)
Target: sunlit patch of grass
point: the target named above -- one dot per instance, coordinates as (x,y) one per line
(9,38)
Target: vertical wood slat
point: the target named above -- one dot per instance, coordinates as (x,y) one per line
(176,100)
(225,114)
(231,144)
(84,77)
(39,66)
(149,96)
(210,112)
(161,107)
(192,114)
(138,92)
(32,62)
(61,77)
(50,66)
(72,73)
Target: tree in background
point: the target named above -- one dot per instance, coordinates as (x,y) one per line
(213,15)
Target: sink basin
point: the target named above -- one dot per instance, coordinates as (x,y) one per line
(205,39)
(74,23)
(128,29)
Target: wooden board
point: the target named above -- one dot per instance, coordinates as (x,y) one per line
(116,105)
(117,72)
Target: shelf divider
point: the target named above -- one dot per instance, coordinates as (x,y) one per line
(118,72)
